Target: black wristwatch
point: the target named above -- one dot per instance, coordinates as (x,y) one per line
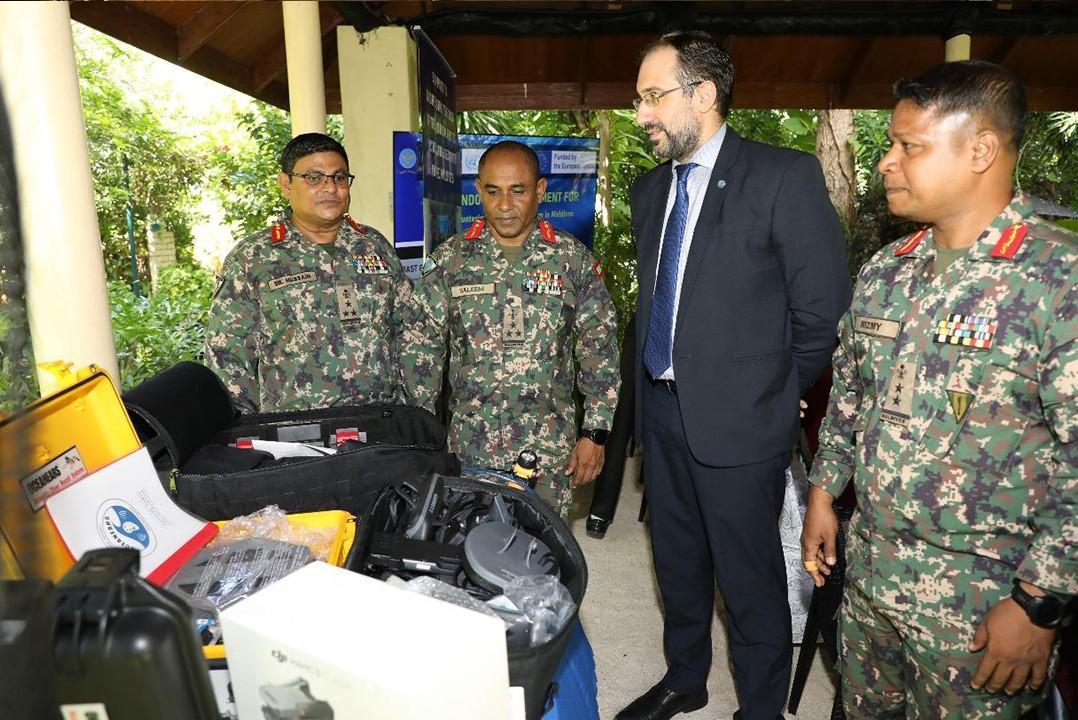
(1044,611)
(596,436)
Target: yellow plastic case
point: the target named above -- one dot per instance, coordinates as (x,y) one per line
(82,422)
(345,525)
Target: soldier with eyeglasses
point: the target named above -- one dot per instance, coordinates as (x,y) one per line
(307,314)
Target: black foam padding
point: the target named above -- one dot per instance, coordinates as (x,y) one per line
(181,408)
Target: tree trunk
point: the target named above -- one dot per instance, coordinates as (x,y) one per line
(833,148)
(605,204)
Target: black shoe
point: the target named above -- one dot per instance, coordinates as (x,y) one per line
(658,703)
(597,527)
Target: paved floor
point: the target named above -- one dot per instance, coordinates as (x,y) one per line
(623,619)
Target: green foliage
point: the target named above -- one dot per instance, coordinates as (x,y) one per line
(18,383)
(1048,161)
(786,128)
(153,333)
(243,170)
(163,169)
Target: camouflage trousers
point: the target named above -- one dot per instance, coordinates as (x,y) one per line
(892,667)
(557,492)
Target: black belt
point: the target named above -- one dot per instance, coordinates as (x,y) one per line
(669,386)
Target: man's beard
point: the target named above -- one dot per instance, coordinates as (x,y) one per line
(680,143)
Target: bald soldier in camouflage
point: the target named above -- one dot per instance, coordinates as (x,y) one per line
(954,413)
(503,304)
(307,314)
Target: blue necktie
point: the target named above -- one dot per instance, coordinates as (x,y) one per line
(658,343)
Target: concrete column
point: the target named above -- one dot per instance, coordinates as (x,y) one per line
(306,83)
(67,299)
(379,94)
(957,48)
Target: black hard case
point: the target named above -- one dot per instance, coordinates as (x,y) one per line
(185,409)
(532,668)
(127,644)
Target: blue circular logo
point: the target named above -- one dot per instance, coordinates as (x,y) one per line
(118,525)
(407,158)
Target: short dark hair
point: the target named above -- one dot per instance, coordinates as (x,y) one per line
(308,144)
(512,145)
(974,86)
(700,57)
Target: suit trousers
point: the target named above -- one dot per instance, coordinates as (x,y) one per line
(717,525)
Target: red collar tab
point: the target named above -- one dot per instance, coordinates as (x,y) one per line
(361,229)
(546,230)
(910,245)
(475,230)
(1009,243)
(597,269)
(278,233)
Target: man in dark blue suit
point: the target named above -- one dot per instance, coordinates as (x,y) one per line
(742,282)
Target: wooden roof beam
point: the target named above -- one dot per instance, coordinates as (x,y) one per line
(193,35)
(1003,54)
(864,50)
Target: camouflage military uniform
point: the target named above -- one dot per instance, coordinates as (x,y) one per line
(293,328)
(953,410)
(509,330)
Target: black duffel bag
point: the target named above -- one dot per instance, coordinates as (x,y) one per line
(532,668)
(184,416)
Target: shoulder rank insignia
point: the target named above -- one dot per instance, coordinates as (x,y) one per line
(1009,243)
(911,244)
(278,232)
(597,269)
(361,229)
(546,230)
(428,266)
(475,230)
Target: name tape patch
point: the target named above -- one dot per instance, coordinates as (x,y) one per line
(880,327)
(294,279)
(459,291)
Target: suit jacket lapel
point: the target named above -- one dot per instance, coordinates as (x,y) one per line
(707,224)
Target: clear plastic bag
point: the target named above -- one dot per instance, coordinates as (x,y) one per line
(544,602)
(271,523)
(219,576)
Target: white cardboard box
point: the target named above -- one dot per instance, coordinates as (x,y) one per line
(366,649)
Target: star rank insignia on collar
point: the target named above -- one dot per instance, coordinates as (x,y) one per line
(475,230)
(546,231)
(278,232)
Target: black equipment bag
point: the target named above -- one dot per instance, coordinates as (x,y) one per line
(185,418)
(127,644)
(530,668)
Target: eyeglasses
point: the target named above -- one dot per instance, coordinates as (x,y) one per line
(652,99)
(315,178)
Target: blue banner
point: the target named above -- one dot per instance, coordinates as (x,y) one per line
(570,166)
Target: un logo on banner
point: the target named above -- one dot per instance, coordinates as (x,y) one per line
(118,525)
(407,158)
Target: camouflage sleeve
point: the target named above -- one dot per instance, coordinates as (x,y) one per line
(400,316)
(833,465)
(232,335)
(424,340)
(596,330)
(1052,560)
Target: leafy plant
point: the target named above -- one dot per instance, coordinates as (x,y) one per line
(153,333)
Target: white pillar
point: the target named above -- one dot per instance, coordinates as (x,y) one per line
(957,48)
(379,94)
(303,50)
(67,299)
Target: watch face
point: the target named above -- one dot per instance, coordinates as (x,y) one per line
(1047,611)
